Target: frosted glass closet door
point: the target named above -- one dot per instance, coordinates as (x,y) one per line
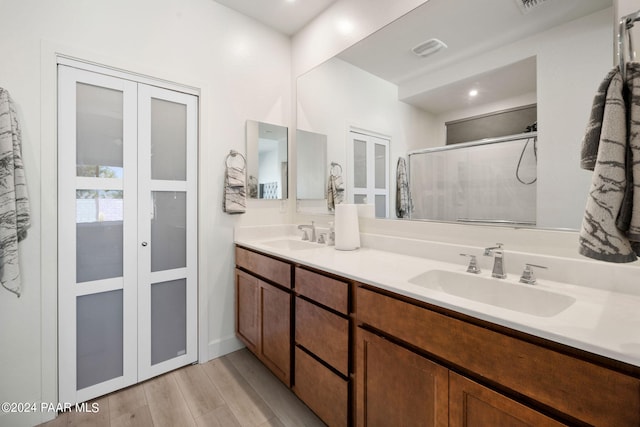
(167,230)
(369,179)
(97,221)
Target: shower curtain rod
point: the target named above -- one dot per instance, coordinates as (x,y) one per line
(486,141)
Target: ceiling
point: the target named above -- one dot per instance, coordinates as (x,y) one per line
(285,16)
(468,27)
(485,25)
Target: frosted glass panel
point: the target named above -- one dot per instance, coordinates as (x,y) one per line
(168,320)
(381,206)
(359,164)
(359,199)
(99,334)
(381,166)
(488,183)
(99,117)
(99,216)
(168,140)
(168,230)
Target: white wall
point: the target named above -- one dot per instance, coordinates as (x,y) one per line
(336,96)
(243,71)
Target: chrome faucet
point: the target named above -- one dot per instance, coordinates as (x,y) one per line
(498,260)
(311,227)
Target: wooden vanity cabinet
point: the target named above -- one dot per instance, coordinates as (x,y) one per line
(322,343)
(396,386)
(474,405)
(263,310)
(496,376)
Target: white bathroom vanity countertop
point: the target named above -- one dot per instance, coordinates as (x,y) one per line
(600,321)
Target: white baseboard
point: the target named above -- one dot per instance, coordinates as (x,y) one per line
(222,346)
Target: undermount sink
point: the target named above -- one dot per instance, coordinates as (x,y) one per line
(291,244)
(520,298)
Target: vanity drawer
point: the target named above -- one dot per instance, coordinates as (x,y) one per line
(264,266)
(326,393)
(588,392)
(325,290)
(324,334)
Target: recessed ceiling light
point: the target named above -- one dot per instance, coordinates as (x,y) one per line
(345,26)
(473,92)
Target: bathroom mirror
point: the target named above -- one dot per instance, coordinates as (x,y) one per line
(311,150)
(267,160)
(553,55)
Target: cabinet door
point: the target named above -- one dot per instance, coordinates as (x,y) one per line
(275,349)
(247,314)
(398,387)
(473,405)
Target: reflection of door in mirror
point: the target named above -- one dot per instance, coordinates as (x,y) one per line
(369,180)
(267,161)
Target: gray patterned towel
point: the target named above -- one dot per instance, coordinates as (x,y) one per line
(335,191)
(14,204)
(403,196)
(591,139)
(600,235)
(234,200)
(630,222)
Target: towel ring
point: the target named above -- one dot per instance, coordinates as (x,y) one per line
(233,154)
(333,165)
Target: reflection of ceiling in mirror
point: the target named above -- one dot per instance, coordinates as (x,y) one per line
(512,80)
(468,27)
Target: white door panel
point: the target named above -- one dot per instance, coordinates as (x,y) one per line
(110,302)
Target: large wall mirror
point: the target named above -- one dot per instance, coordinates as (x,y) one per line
(267,161)
(551,56)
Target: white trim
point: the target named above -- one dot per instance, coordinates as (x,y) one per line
(225,345)
(99,183)
(125,75)
(98,286)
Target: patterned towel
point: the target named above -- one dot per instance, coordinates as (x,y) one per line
(14,204)
(235,192)
(335,191)
(403,196)
(591,139)
(629,221)
(601,235)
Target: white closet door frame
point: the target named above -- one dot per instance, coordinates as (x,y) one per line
(370,191)
(68,183)
(145,276)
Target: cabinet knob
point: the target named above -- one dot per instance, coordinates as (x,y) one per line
(144,243)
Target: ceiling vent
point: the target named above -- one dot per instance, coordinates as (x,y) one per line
(428,47)
(527,5)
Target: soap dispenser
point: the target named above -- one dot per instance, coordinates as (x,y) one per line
(331,238)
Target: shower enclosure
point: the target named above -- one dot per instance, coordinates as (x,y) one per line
(492,180)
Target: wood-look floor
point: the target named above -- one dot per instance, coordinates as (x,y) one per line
(234,390)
